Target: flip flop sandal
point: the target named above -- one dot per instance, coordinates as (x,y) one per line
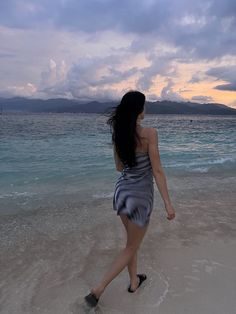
(141,277)
(91,299)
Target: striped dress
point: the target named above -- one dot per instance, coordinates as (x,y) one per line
(134,190)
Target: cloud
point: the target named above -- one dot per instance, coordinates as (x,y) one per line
(96,77)
(167,93)
(197,77)
(225,73)
(204,29)
(159,65)
(233,104)
(227,87)
(54,74)
(202,99)
(152,97)
(87,79)
(96,46)
(27,90)
(4,54)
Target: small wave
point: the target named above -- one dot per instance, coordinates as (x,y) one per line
(221,160)
(221,164)
(201,169)
(16,194)
(218,161)
(103,195)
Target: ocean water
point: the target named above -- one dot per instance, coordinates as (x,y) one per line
(51,156)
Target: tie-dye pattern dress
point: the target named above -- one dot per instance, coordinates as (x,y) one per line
(134,191)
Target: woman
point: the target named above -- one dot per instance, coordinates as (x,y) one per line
(137,157)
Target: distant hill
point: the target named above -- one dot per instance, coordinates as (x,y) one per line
(60,105)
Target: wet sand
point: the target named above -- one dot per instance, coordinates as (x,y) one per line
(52,256)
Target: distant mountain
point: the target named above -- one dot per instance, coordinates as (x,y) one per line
(20,104)
(170,107)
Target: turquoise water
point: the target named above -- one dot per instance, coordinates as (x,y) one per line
(50,155)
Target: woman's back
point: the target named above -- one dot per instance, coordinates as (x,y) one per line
(143,134)
(142,169)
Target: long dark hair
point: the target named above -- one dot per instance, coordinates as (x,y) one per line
(122,123)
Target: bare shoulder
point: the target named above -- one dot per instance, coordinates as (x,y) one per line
(146,130)
(151,133)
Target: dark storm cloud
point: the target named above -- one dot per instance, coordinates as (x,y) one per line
(105,42)
(227,87)
(204,29)
(224,73)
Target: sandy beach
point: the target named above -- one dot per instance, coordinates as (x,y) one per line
(51,257)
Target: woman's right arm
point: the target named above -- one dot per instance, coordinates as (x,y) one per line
(158,172)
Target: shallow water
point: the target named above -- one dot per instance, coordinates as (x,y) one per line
(44,156)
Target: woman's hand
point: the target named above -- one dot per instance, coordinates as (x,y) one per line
(170,212)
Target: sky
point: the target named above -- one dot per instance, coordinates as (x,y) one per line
(180,50)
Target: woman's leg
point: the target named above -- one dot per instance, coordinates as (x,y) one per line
(135,235)
(132,265)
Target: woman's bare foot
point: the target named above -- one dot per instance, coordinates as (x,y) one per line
(134,284)
(97,292)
